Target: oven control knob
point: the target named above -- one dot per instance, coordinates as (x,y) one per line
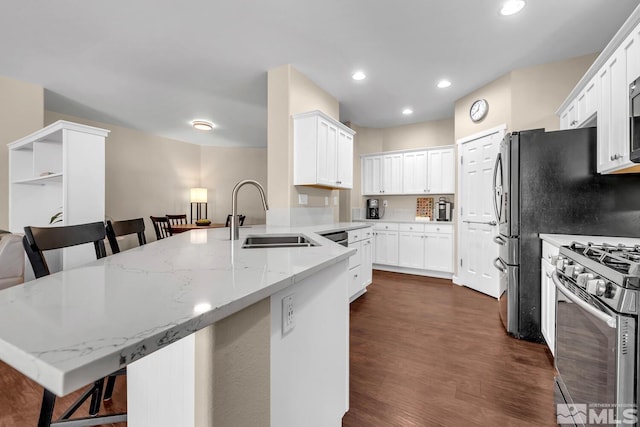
(596,287)
(561,262)
(577,269)
(583,278)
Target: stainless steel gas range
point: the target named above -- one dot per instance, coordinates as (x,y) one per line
(597,334)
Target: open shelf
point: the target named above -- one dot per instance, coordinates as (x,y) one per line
(41,180)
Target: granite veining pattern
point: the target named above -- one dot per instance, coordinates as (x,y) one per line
(68,329)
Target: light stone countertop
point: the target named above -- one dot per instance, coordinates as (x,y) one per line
(405,221)
(68,329)
(566,239)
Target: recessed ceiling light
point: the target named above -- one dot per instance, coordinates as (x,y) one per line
(202,125)
(407,111)
(444,83)
(359,75)
(511,7)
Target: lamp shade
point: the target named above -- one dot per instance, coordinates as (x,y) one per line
(198,195)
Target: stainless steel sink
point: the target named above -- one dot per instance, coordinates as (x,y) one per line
(278,241)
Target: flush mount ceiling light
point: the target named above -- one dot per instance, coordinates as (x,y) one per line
(511,7)
(444,83)
(407,111)
(202,125)
(359,75)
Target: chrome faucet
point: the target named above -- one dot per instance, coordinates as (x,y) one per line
(235,228)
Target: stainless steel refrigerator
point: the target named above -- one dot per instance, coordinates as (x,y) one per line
(546,182)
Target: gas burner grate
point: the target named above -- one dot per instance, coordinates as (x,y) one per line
(621,258)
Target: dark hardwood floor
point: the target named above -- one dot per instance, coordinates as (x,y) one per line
(20,400)
(426,352)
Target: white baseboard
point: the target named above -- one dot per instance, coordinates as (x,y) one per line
(456,280)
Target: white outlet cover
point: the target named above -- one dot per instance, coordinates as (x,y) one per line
(303,199)
(335,200)
(288,314)
(326,200)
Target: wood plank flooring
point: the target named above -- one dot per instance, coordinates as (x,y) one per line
(426,352)
(20,400)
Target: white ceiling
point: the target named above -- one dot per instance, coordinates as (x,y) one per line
(154,65)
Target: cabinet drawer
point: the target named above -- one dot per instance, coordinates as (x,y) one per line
(366,233)
(355,235)
(386,226)
(438,228)
(419,228)
(549,250)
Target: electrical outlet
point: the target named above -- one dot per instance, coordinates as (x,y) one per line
(303,199)
(335,200)
(326,201)
(287,314)
(385,203)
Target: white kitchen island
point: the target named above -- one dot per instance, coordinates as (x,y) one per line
(197,320)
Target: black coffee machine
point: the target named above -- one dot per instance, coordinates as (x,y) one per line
(373,210)
(445,210)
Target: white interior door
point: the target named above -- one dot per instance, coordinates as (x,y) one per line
(477,222)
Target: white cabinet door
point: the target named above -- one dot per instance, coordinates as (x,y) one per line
(345,160)
(587,103)
(411,250)
(327,153)
(548,305)
(414,171)
(371,175)
(366,262)
(613,119)
(355,259)
(441,171)
(438,252)
(386,247)
(392,174)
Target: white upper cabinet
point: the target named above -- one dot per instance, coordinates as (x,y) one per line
(604,93)
(414,170)
(426,171)
(322,151)
(440,171)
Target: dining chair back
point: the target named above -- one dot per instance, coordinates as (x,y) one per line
(124,228)
(240,220)
(36,241)
(177,219)
(161,226)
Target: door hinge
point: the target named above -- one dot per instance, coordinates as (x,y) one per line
(460,262)
(461,157)
(461,209)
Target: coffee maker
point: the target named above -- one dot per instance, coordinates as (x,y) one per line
(373,210)
(445,210)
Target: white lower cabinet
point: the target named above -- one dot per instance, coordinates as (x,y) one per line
(360,263)
(414,246)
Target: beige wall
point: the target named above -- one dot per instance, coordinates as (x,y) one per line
(537,92)
(221,169)
(289,93)
(21,113)
(145,174)
(498,95)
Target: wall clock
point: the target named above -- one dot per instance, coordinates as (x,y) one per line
(479,110)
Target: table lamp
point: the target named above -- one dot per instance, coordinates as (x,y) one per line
(199,198)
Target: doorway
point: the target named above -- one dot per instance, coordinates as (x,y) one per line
(476,219)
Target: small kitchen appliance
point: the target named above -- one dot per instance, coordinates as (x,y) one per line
(597,292)
(445,209)
(373,209)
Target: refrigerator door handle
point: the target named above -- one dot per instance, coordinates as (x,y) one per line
(497,188)
(499,240)
(499,264)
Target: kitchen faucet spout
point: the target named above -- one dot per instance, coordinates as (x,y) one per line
(235,227)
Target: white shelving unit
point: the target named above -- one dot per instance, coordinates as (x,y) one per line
(60,168)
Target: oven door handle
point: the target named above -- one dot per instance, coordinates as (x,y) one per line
(610,321)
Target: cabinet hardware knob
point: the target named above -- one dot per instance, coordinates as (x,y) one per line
(355,275)
(573,123)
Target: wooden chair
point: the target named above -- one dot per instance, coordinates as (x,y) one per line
(35,241)
(240,220)
(177,219)
(161,226)
(124,228)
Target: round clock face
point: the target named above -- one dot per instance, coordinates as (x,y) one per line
(479,110)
